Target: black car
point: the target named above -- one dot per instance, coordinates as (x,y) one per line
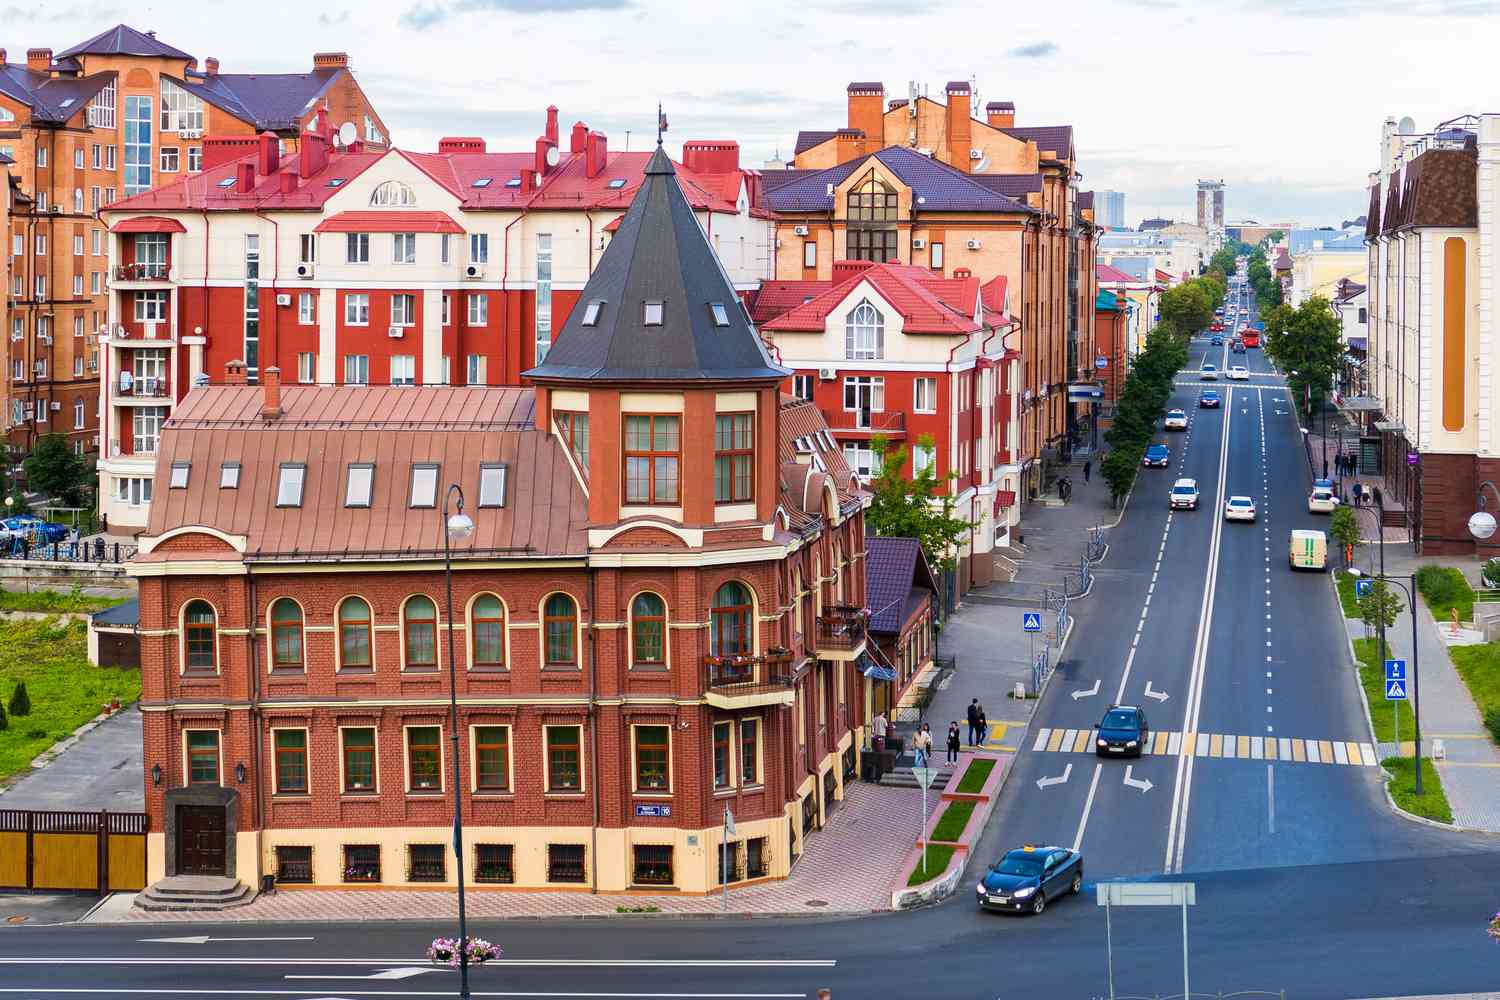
(1123,732)
(1026,878)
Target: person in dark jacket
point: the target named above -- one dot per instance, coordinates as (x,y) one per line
(974,723)
(953,742)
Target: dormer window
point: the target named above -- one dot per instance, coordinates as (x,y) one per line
(721,315)
(393,194)
(290,478)
(654,311)
(424,478)
(229,476)
(482,182)
(591,314)
(179,479)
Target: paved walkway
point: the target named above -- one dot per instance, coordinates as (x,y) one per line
(1471,770)
(850,867)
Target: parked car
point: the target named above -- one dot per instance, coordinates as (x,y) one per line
(1322,501)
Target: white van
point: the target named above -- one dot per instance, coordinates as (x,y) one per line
(1308,550)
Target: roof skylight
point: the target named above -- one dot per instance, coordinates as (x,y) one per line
(617,182)
(179,479)
(654,311)
(334,182)
(289,482)
(492,486)
(227,182)
(514,182)
(229,476)
(591,314)
(482,182)
(721,315)
(424,478)
(361,481)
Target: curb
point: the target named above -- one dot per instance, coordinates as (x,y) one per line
(307,922)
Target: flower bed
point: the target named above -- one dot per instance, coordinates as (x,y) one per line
(445,951)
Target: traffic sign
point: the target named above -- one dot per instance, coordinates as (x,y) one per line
(925,776)
(1101,362)
(1031,621)
(1395,690)
(1395,670)
(1362,588)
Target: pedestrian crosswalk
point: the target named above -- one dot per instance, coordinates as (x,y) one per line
(1169,744)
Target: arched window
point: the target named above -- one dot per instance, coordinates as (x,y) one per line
(419,619)
(286,635)
(871,221)
(198,627)
(354,633)
(729,621)
(648,630)
(560,625)
(393,194)
(488,618)
(864,333)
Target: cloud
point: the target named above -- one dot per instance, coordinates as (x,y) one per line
(1036,50)
(329,20)
(425,15)
(1355,8)
(44,12)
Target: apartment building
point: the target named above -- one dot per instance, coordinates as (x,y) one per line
(113,116)
(653,628)
(353,265)
(905,354)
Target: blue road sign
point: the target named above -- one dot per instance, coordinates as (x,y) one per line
(1362,588)
(1395,670)
(1395,690)
(1031,621)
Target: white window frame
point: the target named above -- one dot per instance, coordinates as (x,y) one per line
(356,309)
(406,314)
(403,369)
(864,333)
(356,369)
(924,395)
(307,367)
(357,248)
(479,308)
(307,308)
(403,248)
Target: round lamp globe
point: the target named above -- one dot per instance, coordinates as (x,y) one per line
(1482,524)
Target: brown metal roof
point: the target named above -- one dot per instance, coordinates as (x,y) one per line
(1439,189)
(328,428)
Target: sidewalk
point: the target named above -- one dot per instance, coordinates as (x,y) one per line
(1471,770)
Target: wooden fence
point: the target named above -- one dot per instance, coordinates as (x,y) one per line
(72,851)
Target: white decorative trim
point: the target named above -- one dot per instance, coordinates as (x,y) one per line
(691,537)
(237,542)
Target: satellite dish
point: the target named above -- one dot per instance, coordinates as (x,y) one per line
(1407,126)
(348,134)
(553,156)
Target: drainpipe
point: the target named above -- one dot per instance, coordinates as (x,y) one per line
(594,729)
(255,721)
(275,273)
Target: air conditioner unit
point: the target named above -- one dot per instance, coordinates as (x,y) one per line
(56,405)
(828,374)
(190,133)
(304,270)
(46,338)
(799,230)
(973,244)
(283,300)
(918,243)
(396,332)
(474,271)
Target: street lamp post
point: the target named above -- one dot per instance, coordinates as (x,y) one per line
(456,528)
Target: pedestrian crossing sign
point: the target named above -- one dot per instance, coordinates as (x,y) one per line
(1395,690)
(1031,621)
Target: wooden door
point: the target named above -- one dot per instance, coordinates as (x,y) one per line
(200,840)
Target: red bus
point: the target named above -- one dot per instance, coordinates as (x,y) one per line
(1251,336)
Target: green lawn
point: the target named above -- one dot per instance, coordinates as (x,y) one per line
(1432,804)
(1479,666)
(54,601)
(1350,603)
(950,826)
(972,783)
(1444,588)
(938,857)
(1372,679)
(65,689)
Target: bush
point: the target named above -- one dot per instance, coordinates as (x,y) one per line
(1491,722)
(1445,589)
(20,701)
(1490,573)
(4,722)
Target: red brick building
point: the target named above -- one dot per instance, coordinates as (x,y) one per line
(660,613)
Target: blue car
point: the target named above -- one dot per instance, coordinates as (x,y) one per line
(1025,879)
(1217,340)
(1209,399)
(1157,455)
(1123,730)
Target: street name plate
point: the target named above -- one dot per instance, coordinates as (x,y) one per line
(1147,893)
(925,775)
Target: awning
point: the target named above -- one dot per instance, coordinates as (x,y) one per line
(614,224)
(1361,404)
(1005,499)
(875,671)
(1389,427)
(389,222)
(1356,342)
(148,224)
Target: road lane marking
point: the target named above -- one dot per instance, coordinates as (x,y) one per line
(1271,748)
(1216,745)
(1081,742)
(1325,749)
(1041,740)
(1088,805)
(1271,798)
(1055,740)
(1367,753)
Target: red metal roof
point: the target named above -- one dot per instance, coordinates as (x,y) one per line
(927,303)
(1105,272)
(148,224)
(774,298)
(389,222)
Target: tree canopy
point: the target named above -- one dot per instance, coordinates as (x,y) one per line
(54,470)
(915,507)
(1305,340)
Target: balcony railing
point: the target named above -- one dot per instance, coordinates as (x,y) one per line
(150,387)
(841,629)
(141,271)
(891,424)
(743,681)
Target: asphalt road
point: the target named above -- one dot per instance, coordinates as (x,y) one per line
(1305,881)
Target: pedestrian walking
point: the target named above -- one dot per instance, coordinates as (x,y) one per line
(1087,467)
(974,723)
(878,726)
(922,745)
(984,727)
(953,742)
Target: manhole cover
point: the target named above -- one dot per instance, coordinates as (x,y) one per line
(810,902)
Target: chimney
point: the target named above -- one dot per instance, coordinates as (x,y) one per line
(866,112)
(314,155)
(1001,114)
(330,60)
(579,137)
(288,180)
(268,150)
(211,66)
(528,180)
(461,144)
(39,60)
(960,134)
(546,154)
(710,157)
(244,178)
(270,379)
(595,154)
(234,373)
(552,124)
(849,143)
(220,149)
(843,270)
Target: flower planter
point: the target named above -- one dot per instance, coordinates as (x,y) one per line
(445,951)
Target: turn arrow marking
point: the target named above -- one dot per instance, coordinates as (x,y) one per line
(1158,695)
(1087,694)
(1144,784)
(1044,782)
(204,939)
(386,974)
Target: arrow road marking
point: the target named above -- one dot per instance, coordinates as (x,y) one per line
(1067,773)
(204,939)
(1158,695)
(1144,784)
(1087,694)
(403,973)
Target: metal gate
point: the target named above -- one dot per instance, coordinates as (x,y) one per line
(72,851)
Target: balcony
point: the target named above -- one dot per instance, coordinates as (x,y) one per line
(841,633)
(149,389)
(865,424)
(732,682)
(140,273)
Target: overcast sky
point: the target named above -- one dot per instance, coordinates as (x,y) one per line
(1282,98)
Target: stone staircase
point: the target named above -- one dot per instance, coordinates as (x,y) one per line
(204,893)
(901,776)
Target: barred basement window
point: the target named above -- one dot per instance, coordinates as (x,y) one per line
(757,857)
(361,862)
(565,863)
(653,865)
(494,863)
(294,865)
(426,863)
(731,863)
